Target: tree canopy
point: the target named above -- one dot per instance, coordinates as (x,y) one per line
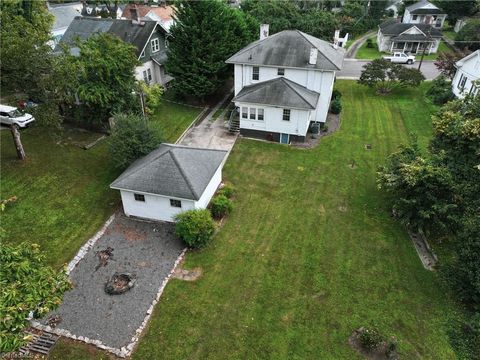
(205,34)
(27,285)
(457,9)
(469,36)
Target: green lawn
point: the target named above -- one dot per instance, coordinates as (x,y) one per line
(309,254)
(172,119)
(372,53)
(62,190)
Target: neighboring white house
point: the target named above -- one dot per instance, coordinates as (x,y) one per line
(64,15)
(468,71)
(169,180)
(413,38)
(424,12)
(148,38)
(283,83)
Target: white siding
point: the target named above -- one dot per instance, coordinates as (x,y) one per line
(469,70)
(273,120)
(157,207)
(316,80)
(155,70)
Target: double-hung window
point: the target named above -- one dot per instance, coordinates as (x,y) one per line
(260,114)
(461,82)
(414,17)
(149,73)
(253,113)
(175,203)
(286,115)
(244,112)
(155,44)
(256,73)
(145,76)
(281,71)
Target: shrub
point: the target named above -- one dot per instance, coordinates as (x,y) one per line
(370,338)
(46,115)
(131,138)
(336,106)
(195,227)
(441,91)
(336,94)
(369,43)
(227,190)
(220,206)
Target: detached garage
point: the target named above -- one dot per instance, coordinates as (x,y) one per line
(169,180)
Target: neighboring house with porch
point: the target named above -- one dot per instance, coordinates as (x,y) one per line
(283,83)
(467,78)
(161,13)
(413,38)
(170,180)
(148,38)
(63,15)
(424,12)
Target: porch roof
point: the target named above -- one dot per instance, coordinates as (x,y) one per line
(411,38)
(279,92)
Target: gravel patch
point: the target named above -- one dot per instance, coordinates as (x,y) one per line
(148,251)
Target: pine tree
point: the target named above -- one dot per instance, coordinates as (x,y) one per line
(205,34)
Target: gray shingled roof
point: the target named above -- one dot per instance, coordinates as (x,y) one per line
(64,14)
(395,28)
(290,48)
(427,11)
(419,5)
(84,27)
(172,170)
(279,92)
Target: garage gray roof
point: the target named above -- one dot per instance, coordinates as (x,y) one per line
(395,28)
(290,48)
(279,92)
(172,170)
(83,27)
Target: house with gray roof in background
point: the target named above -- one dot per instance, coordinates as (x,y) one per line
(424,12)
(170,180)
(148,38)
(283,83)
(63,15)
(393,36)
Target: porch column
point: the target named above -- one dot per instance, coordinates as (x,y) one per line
(418,45)
(391,47)
(404,46)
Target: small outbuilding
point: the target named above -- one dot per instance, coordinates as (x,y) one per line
(169,180)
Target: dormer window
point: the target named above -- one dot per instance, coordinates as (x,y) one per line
(155,44)
(256,73)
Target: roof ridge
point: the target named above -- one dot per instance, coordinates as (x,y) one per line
(256,42)
(315,46)
(190,186)
(287,82)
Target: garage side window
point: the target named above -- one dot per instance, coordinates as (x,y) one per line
(175,203)
(139,197)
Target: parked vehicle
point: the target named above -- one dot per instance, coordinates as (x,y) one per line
(400,58)
(11,115)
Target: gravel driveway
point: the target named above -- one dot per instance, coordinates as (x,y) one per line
(148,250)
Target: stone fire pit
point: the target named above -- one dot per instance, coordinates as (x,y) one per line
(119,283)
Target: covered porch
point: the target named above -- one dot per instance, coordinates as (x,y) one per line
(411,46)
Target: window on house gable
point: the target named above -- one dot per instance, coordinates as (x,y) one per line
(175,203)
(260,114)
(256,73)
(244,113)
(155,44)
(252,113)
(286,115)
(139,197)
(281,71)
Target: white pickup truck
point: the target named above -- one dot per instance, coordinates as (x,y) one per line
(400,58)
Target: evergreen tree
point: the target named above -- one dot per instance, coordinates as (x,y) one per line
(205,34)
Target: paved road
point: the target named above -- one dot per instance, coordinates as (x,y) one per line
(353,68)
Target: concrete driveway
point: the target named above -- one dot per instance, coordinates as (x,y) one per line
(149,251)
(352,69)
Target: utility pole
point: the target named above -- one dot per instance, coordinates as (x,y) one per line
(427,43)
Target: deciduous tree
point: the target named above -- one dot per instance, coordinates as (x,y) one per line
(469,36)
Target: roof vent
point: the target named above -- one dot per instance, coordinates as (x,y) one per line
(313,56)
(264,31)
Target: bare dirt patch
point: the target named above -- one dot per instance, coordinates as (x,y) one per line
(187,275)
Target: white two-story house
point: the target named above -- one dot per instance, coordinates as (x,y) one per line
(467,76)
(424,12)
(284,82)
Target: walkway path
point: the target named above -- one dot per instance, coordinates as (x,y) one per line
(353,49)
(212,134)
